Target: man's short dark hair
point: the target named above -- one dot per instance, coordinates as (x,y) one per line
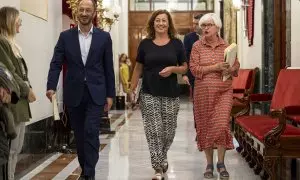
(198,16)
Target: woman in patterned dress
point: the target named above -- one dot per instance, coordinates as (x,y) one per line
(212,95)
(159,59)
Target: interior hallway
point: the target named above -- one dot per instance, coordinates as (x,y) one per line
(125,155)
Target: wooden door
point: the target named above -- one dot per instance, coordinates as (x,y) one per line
(136,34)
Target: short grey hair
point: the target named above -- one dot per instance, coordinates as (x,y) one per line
(211,16)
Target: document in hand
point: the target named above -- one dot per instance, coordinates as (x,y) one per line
(55,108)
(230,54)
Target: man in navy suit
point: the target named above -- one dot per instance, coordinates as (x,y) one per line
(189,40)
(89,85)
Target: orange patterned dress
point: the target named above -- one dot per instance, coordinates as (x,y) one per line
(212,97)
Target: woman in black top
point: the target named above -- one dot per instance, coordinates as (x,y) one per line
(159,59)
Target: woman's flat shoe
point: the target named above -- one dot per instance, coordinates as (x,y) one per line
(223,174)
(209,173)
(158,175)
(165,166)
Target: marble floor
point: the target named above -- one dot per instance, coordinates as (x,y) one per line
(125,156)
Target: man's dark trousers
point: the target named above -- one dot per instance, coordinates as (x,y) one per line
(85,122)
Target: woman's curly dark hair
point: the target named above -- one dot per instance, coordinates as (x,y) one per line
(150,25)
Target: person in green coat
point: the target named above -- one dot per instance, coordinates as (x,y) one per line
(9,93)
(10,56)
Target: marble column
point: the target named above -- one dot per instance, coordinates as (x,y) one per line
(268,45)
(268,50)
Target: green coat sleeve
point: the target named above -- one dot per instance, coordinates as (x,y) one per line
(6,58)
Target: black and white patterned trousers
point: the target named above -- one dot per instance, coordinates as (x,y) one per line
(160,122)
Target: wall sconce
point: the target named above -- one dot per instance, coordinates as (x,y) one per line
(242,4)
(107,16)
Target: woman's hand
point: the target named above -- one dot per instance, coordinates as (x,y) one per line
(166,72)
(222,66)
(227,72)
(186,79)
(31,96)
(132,96)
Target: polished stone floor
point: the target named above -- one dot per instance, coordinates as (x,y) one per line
(125,156)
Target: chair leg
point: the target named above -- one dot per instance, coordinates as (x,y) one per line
(252,162)
(270,167)
(258,167)
(285,169)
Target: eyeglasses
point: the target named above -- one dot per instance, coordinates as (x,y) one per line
(208,25)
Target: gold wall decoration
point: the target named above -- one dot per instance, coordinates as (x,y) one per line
(106,17)
(230,22)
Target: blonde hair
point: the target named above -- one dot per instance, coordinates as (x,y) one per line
(8,18)
(211,16)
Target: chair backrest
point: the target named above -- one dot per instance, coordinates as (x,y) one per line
(287,89)
(245,79)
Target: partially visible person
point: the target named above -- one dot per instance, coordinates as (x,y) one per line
(212,96)
(124,72)
(5,98)
(9,93)
(125,66)
(10,53)
(160,58)
(89,86)
(189,40)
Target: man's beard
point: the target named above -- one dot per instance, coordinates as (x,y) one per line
(85,22)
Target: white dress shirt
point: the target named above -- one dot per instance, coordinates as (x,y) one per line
(85,43)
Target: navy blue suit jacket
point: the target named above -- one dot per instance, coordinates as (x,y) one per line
(97,73)
(189,40)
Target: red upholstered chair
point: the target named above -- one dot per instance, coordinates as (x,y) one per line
(267,139)
(243,86)
(292,112)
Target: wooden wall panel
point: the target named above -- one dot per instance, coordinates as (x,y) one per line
(138,18)
(182,19)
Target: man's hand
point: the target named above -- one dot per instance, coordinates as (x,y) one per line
(31,96)
(108,104)
(186,80)
(49,94)
(5,97)
(166,72)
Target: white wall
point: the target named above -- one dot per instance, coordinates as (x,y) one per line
(37,39)
(295,37)
(217,7)
(251,57)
